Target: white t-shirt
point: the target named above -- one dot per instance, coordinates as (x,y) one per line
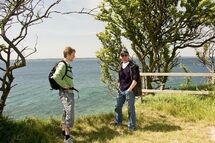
(124,65)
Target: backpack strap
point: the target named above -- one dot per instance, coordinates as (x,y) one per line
(65,70)
(131,66)
(70,70)
(72,88)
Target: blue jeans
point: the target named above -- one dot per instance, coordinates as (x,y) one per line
(120,100)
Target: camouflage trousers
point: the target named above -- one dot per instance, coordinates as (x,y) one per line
(68,102)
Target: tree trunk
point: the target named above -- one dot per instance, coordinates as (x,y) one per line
(163,82)
(6,87)
(4,95)
(148,82)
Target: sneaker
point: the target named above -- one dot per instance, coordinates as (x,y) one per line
(69,140)
(113,123)
(131,129)
(63,132)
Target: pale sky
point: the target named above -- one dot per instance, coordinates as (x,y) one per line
(75,30)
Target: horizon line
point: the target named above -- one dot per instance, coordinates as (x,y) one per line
(88,58)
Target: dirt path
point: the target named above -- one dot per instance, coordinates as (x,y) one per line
(213,134)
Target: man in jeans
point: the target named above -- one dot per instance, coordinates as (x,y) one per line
(66,94)
(128,78)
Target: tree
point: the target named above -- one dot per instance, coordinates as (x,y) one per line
(156,30)
(18,16)
(206,56)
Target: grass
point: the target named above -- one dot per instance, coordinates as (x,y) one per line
(208,87)
(160,119)
(30,130)
(189,107)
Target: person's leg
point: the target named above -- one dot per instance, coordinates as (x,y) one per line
(63,126)
(68,116)
(69,108)
(118,108)
(131,110)
(63,119)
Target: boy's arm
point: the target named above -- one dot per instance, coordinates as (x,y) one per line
(59,73)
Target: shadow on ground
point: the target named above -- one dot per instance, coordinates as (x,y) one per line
(88,129)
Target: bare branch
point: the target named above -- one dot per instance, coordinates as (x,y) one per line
(20,14)
(13,86)
(83,11)
(34,50)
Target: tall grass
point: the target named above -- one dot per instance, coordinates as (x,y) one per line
(29,131)
(189,107)
(160,119)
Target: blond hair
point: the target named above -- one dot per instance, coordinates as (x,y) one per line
(68,51)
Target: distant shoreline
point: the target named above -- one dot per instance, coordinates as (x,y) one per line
(61,58)
(94,58)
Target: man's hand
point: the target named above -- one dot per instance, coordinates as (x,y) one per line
(129,90)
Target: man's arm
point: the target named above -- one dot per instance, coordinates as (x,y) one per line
(135,77)
(133,84)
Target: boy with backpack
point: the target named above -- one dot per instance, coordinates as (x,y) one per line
(65,81)
(129,76)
